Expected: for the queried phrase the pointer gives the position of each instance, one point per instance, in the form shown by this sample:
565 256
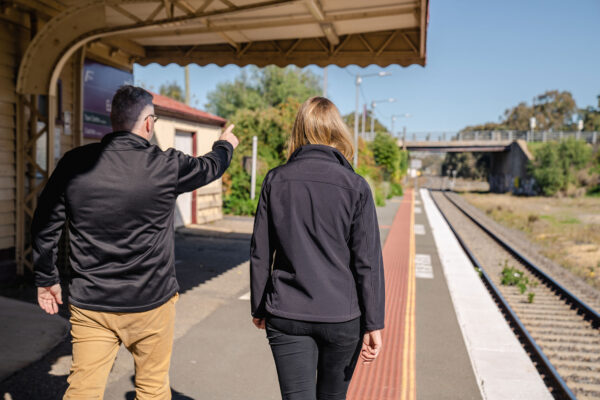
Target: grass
566 229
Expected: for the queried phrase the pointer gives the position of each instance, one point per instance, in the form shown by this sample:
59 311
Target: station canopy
241 32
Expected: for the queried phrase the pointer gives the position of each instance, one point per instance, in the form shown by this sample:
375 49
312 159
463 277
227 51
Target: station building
192 131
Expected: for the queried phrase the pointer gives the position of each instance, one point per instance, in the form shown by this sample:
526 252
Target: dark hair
127 105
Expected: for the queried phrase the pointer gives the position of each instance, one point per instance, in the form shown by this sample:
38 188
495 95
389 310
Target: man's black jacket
316 252
118 197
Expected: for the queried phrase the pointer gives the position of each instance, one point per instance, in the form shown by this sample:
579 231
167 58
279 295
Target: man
118 197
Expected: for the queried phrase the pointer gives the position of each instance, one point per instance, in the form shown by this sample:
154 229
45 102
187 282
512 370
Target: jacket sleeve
195 172
46 227
261 255
367 262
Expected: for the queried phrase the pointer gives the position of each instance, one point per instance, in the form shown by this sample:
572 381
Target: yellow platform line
408 355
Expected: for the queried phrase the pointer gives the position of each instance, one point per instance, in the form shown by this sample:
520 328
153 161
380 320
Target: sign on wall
100 82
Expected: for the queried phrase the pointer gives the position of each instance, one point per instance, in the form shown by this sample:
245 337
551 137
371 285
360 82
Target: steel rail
592 315
554 376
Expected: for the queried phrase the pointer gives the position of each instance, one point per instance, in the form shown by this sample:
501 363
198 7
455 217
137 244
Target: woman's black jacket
315 252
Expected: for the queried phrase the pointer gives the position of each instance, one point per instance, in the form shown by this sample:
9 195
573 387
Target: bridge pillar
508 170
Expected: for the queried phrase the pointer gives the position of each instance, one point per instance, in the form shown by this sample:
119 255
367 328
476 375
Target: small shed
193 132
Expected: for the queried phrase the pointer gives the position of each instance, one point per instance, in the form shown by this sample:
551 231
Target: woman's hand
259 322
371 346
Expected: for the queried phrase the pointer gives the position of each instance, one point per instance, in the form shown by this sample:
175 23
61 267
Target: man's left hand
49 298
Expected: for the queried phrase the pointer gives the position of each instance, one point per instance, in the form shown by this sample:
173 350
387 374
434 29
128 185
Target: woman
316 264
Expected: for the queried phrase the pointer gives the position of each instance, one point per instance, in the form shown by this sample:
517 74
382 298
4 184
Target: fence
529 136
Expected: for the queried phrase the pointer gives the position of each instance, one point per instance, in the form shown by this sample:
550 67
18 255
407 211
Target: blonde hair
319 122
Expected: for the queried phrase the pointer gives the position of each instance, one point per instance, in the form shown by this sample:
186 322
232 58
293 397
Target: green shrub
396 189
379 197
511 276
239 206
574 154
556 164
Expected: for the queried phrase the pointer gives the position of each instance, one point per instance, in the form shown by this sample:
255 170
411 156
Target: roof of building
168 107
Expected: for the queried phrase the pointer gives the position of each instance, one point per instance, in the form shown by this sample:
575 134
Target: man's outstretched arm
195 172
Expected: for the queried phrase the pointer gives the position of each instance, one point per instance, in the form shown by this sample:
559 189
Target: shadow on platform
199 258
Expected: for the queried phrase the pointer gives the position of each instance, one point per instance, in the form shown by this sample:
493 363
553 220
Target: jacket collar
125 139
321 152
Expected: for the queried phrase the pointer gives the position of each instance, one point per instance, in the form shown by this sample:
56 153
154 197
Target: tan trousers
97 336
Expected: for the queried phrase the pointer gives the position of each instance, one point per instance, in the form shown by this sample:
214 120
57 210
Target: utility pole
373 104
373 119
358 82
532 123
364 117
253 177
187 85
394 116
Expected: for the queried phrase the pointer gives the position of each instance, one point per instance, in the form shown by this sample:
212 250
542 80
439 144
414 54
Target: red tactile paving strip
392 375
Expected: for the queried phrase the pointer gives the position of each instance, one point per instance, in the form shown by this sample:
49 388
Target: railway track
560 331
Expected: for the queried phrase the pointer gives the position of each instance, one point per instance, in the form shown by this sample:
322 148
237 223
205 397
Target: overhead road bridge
45 43
508 160
472 146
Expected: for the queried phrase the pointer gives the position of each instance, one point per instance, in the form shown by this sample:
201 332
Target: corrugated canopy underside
299 32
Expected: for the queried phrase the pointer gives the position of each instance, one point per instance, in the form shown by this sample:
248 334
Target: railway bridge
508 159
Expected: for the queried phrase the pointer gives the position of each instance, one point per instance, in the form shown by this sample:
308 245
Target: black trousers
314 360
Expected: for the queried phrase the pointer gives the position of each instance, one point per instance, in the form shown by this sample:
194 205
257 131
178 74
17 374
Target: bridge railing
529 136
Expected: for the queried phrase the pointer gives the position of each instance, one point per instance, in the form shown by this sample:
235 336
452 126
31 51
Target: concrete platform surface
503 369
217 352
27 333
443 366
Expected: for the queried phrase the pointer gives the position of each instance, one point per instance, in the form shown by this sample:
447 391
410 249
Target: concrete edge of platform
222 234
27 334
494 350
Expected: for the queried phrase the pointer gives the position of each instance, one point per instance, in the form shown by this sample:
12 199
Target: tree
591 118
546 169
556 164
377 125
388 155
262 88
553 110
264 103
272 127
172 90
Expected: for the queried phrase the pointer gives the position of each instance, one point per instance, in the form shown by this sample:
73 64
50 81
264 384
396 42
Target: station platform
444 336
424 355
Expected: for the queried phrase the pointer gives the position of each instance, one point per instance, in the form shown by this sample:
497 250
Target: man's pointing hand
229 136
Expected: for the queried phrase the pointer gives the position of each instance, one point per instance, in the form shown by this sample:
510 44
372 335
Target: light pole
394 116
532 123
373 104
358 81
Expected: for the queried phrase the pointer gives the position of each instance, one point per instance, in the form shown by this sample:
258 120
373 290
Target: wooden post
20 189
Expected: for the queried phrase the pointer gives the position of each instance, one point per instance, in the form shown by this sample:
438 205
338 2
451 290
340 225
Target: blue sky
482 57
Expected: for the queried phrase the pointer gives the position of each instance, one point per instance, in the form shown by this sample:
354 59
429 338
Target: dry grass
567 229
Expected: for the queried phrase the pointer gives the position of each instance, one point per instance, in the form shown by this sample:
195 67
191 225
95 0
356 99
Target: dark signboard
100 82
